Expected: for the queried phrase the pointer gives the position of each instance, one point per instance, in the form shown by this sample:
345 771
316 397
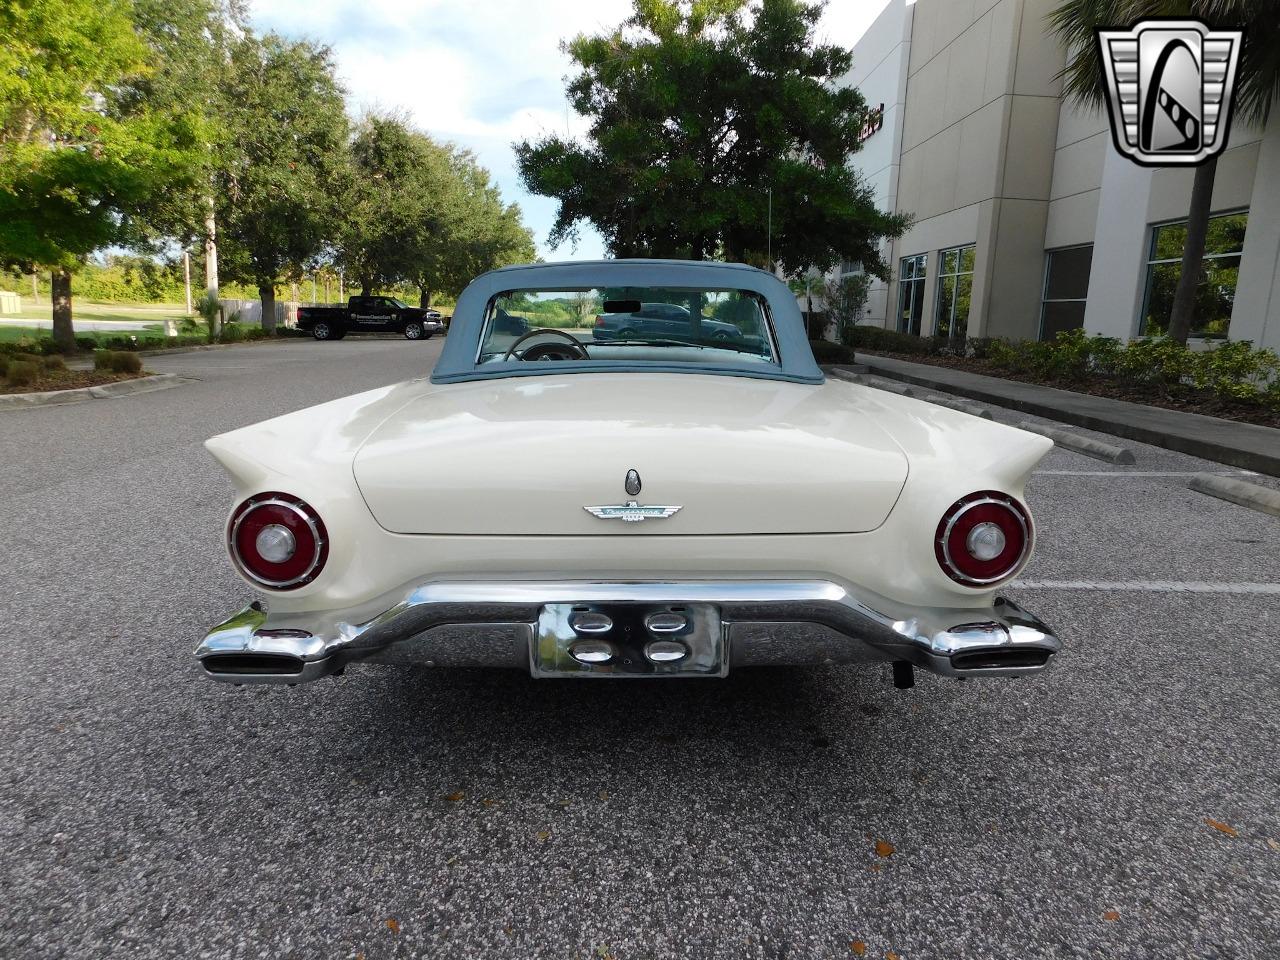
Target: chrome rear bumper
497 624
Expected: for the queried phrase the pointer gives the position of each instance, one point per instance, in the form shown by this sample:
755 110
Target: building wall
880 72
1133 199
978 150
990 154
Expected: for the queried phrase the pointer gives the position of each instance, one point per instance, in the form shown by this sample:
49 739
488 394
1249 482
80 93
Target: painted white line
1140 473
1152 586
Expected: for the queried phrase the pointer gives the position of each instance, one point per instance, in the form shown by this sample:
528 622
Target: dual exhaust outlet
593 649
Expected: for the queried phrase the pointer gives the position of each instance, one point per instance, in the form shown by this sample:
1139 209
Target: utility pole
313 287
769 234
342 282
186 278
35 287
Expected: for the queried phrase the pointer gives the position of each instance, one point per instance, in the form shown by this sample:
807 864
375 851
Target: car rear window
629 325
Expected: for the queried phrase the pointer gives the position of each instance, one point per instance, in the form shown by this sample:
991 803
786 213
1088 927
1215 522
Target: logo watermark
1169 87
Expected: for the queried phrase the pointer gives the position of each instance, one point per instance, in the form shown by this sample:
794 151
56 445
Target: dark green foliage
824 351
1258 74
890 341
46 346
22 373
844 298
1229 372
117 361
696 112
275 198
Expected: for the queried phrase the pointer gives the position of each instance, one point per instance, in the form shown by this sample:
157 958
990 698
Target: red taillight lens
278 541
983 538
599 321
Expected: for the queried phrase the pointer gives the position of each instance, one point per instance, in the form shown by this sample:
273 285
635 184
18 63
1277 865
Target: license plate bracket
637 637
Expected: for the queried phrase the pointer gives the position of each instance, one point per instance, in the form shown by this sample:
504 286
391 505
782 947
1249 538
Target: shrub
55 361
1156 361
22 373
4 367
824 351
127 363
890 341
980 347
117 361
1235 371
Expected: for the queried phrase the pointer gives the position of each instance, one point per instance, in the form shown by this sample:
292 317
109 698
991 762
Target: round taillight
983 538
278 541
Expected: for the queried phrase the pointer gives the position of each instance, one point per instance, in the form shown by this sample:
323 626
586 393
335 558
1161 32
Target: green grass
10 333
83 310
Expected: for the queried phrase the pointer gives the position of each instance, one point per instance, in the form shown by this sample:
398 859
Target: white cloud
481 74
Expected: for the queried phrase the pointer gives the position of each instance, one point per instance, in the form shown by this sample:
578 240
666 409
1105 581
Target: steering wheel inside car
575 349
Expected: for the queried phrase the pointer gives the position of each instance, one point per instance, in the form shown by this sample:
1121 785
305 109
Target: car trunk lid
526 457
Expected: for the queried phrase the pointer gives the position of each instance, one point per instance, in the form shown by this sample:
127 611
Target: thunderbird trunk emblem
631 511
1169 86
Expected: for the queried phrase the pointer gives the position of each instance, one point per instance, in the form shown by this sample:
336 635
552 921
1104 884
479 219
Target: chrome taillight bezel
957 513
294 507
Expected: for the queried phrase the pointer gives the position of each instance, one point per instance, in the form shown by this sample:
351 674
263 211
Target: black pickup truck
370 315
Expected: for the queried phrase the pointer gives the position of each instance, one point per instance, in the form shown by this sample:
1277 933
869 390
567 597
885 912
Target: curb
106 391
1074 441
879 383
1251 495
74 362
970 408
1256 459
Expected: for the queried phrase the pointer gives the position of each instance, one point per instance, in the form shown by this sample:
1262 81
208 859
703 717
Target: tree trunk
424 297
63 333
1184 298
267 294
210 248
366 288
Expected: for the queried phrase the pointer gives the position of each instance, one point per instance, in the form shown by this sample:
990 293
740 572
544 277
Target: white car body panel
310 454
522 458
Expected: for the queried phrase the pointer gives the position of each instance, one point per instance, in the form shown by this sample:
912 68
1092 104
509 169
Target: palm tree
1257 86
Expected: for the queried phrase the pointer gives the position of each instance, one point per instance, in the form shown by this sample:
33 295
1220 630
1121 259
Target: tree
81 159
697 111
844 297
190 42
394 183
467 230
1257 83
275 197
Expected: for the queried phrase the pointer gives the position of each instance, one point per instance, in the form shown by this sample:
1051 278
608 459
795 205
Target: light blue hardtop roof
458 360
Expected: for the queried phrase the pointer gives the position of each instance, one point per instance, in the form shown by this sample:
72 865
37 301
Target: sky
480 73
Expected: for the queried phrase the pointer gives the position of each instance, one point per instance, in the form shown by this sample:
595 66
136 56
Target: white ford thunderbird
676 502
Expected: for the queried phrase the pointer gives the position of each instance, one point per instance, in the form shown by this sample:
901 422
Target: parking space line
1152 586
1141 473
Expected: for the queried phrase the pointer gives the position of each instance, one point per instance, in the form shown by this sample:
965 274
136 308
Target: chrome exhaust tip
253 664
1001 658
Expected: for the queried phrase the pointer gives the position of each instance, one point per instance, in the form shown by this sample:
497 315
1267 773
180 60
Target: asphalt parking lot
1124 805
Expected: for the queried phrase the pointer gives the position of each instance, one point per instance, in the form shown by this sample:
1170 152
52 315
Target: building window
955 289
1216 293
911 293
1066 287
